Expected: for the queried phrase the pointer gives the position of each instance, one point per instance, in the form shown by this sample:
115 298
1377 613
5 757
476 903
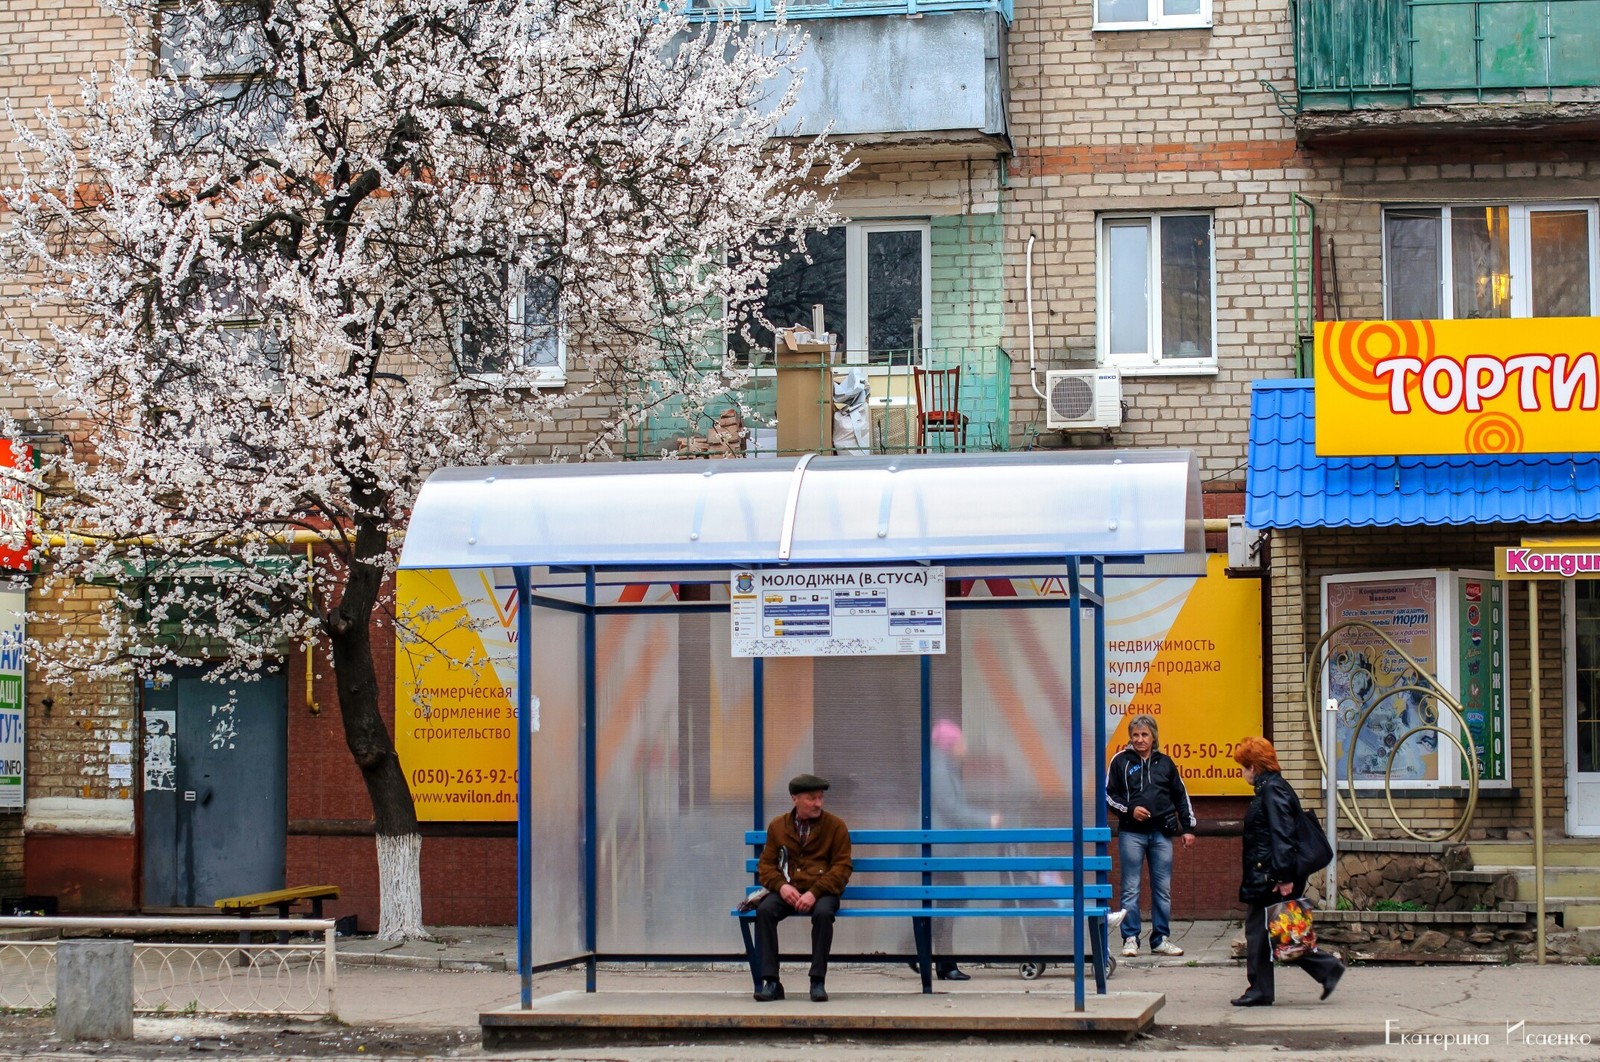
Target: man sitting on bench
804 867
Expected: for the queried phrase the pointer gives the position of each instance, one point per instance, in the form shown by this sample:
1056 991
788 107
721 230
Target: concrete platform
619 1017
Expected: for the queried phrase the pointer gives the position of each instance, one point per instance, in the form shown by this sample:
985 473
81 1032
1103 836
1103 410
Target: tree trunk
349 628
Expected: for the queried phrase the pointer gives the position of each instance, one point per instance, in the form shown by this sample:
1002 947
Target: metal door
215 802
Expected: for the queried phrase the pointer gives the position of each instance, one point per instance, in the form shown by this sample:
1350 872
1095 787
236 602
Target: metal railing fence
185 976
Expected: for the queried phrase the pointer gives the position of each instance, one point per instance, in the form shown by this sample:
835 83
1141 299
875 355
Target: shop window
1151 14
1490 260
1586 721
1156 299
872 281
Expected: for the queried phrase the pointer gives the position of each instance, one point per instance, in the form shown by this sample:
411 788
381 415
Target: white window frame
1150 362
1157 20
547 376
855 269
1521 256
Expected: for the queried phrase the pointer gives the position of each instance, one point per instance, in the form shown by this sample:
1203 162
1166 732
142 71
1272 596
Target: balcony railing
673 429
1358 54
766 10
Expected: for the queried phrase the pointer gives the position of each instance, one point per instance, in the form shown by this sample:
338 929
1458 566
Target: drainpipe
1296 199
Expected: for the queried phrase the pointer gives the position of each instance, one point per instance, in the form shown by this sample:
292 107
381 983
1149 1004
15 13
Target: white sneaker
1130 948
1114 919
1166 947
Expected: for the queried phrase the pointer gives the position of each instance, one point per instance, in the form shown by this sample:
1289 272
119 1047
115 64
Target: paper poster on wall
455 693
1363 671
13 714
160 751
1187 652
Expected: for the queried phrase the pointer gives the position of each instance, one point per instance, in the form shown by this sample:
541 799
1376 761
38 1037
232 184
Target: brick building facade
1120 148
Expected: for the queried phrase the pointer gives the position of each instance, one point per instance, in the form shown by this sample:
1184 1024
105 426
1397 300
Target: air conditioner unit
1083 399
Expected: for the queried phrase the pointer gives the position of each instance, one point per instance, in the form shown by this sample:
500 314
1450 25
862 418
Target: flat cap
806 783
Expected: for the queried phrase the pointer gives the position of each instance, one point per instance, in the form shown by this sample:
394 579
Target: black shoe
1250 1000
916 967
953 973
1332 982
770 990
819 994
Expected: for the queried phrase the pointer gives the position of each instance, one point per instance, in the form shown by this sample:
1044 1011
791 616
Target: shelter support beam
1538 769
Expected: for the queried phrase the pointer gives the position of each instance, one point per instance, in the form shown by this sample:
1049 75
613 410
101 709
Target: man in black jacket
1145 789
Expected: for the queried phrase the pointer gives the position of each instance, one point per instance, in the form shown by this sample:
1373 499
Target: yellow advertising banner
1187 652
1505 386
455 693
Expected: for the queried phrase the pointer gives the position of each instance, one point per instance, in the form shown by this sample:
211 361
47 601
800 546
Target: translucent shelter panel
672 783
1015 712
555 888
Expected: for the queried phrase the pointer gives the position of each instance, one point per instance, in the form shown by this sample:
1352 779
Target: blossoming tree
299 253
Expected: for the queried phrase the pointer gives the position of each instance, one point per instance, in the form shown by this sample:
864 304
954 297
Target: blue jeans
1134 849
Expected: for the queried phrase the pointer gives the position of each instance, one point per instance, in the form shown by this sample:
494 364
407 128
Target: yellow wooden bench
282 900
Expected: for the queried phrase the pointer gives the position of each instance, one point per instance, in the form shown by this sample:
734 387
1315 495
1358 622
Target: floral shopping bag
1289 929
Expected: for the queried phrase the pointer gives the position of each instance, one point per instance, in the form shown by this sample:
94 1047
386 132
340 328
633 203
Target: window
241 105
1156 292
532 341
1151 14
1490 260
228 304
872 281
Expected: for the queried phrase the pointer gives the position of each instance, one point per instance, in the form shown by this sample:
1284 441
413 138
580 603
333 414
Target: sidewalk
422 985
424 999
487 949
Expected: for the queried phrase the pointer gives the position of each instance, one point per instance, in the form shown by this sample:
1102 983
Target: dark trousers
944 929
1319 965
772 910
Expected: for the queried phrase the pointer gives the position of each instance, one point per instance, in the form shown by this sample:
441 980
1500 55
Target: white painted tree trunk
400 887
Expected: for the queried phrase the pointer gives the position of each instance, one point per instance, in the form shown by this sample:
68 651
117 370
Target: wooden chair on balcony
938 394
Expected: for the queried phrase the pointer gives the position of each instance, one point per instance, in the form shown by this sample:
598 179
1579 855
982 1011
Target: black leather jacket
1269 840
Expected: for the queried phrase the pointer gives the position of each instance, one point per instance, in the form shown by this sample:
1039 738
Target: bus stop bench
280 899
1034 868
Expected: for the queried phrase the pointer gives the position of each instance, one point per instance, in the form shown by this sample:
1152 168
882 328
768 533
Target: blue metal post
1100 691
524 783
925 743
590 828
1074 593
758 739
1101 848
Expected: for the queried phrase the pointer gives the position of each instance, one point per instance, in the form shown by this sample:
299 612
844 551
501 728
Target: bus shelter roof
809 510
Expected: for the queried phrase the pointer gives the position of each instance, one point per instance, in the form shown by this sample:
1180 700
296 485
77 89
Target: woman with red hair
1269 872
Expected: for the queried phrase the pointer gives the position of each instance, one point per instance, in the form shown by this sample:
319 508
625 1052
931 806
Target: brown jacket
821 866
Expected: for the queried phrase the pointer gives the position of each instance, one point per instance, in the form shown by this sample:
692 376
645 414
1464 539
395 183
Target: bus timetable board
839 612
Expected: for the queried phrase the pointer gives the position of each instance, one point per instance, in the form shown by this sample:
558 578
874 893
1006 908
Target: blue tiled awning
1288 485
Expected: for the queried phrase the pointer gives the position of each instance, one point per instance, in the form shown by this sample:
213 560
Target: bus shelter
661 710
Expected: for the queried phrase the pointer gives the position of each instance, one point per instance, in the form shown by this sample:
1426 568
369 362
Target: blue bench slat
967 864
853 893
952 912
1017 836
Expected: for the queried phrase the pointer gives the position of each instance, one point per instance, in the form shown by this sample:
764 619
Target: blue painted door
214 788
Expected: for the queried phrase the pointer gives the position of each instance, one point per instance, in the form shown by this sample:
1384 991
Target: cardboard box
804 421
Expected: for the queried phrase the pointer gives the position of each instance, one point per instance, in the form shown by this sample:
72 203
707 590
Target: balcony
674 429
1391 70
891 74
